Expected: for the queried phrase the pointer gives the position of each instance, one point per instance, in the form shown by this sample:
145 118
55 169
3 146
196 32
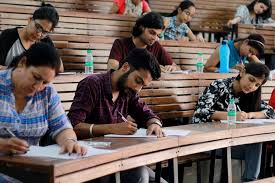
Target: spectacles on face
39 29
188 13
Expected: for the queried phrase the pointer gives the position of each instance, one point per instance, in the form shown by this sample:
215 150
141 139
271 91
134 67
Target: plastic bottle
89 62
224 57
199 64
231 112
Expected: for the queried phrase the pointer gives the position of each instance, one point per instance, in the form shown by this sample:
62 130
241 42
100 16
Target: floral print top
216 98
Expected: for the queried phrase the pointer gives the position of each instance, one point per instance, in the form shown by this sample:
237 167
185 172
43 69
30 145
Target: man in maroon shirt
145 34
100 98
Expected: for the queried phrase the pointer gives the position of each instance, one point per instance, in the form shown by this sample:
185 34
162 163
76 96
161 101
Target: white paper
247 121
141 133
172 132
52 151
181 72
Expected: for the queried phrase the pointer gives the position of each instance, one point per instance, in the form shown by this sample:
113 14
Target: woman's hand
72 146
239 67
200 38
13 146
241 116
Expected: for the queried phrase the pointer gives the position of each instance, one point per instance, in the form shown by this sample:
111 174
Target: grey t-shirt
243 13
15 50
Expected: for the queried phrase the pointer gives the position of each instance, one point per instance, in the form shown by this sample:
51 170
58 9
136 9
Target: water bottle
89 62
199 64
224 57
231 112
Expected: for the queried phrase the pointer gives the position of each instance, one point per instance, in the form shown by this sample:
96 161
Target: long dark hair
183 6
256 41
39 54
266 14
251 102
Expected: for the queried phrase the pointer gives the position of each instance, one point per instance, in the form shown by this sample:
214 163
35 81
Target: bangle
91 130
157 122
69 138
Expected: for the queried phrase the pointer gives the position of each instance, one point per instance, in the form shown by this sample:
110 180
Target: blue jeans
251 154
141 174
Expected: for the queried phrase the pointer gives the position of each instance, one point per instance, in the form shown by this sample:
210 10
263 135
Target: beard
121 84
146 41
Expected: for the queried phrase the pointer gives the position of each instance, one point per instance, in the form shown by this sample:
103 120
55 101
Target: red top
122 47
272 99
121 6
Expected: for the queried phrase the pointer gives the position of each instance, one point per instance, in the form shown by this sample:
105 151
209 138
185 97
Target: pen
10 132
239 108
122 117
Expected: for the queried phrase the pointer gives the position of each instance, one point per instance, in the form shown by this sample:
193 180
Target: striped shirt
43 112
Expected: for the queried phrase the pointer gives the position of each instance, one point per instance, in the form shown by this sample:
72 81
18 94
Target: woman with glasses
176 23
242 51
257 12
15 41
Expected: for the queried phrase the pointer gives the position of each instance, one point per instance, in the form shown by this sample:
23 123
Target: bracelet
69 138
157 122
91 130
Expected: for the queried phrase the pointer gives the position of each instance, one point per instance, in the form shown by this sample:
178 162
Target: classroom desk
133 153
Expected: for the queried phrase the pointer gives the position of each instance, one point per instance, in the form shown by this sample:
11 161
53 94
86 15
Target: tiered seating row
173 96
72 50
72 22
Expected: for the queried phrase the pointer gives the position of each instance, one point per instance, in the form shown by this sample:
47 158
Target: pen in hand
13 151
239 108
122 117
10 132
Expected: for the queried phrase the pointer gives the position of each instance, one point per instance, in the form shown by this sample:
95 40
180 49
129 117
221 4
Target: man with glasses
13 42
145 34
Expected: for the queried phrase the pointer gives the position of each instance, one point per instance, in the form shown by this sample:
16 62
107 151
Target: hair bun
43 4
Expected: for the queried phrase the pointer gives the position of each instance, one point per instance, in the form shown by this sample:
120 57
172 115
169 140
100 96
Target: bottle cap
200 54
232 101
224 41
89 51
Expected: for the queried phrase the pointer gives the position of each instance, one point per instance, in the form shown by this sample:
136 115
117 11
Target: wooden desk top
133 152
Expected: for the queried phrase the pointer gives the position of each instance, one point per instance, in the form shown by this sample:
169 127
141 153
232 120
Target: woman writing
30 107
245 89
245 50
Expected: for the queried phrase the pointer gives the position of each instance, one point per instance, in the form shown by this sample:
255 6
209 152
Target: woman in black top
15 41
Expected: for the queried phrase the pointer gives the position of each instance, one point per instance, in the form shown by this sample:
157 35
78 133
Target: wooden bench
72 49
96 6
267 32
211 17
266 180
173 96
72 22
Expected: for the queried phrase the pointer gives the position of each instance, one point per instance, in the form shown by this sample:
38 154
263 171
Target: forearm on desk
82 130
219 115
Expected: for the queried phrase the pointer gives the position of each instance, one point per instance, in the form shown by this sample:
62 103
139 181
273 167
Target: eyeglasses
39 29
188 13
